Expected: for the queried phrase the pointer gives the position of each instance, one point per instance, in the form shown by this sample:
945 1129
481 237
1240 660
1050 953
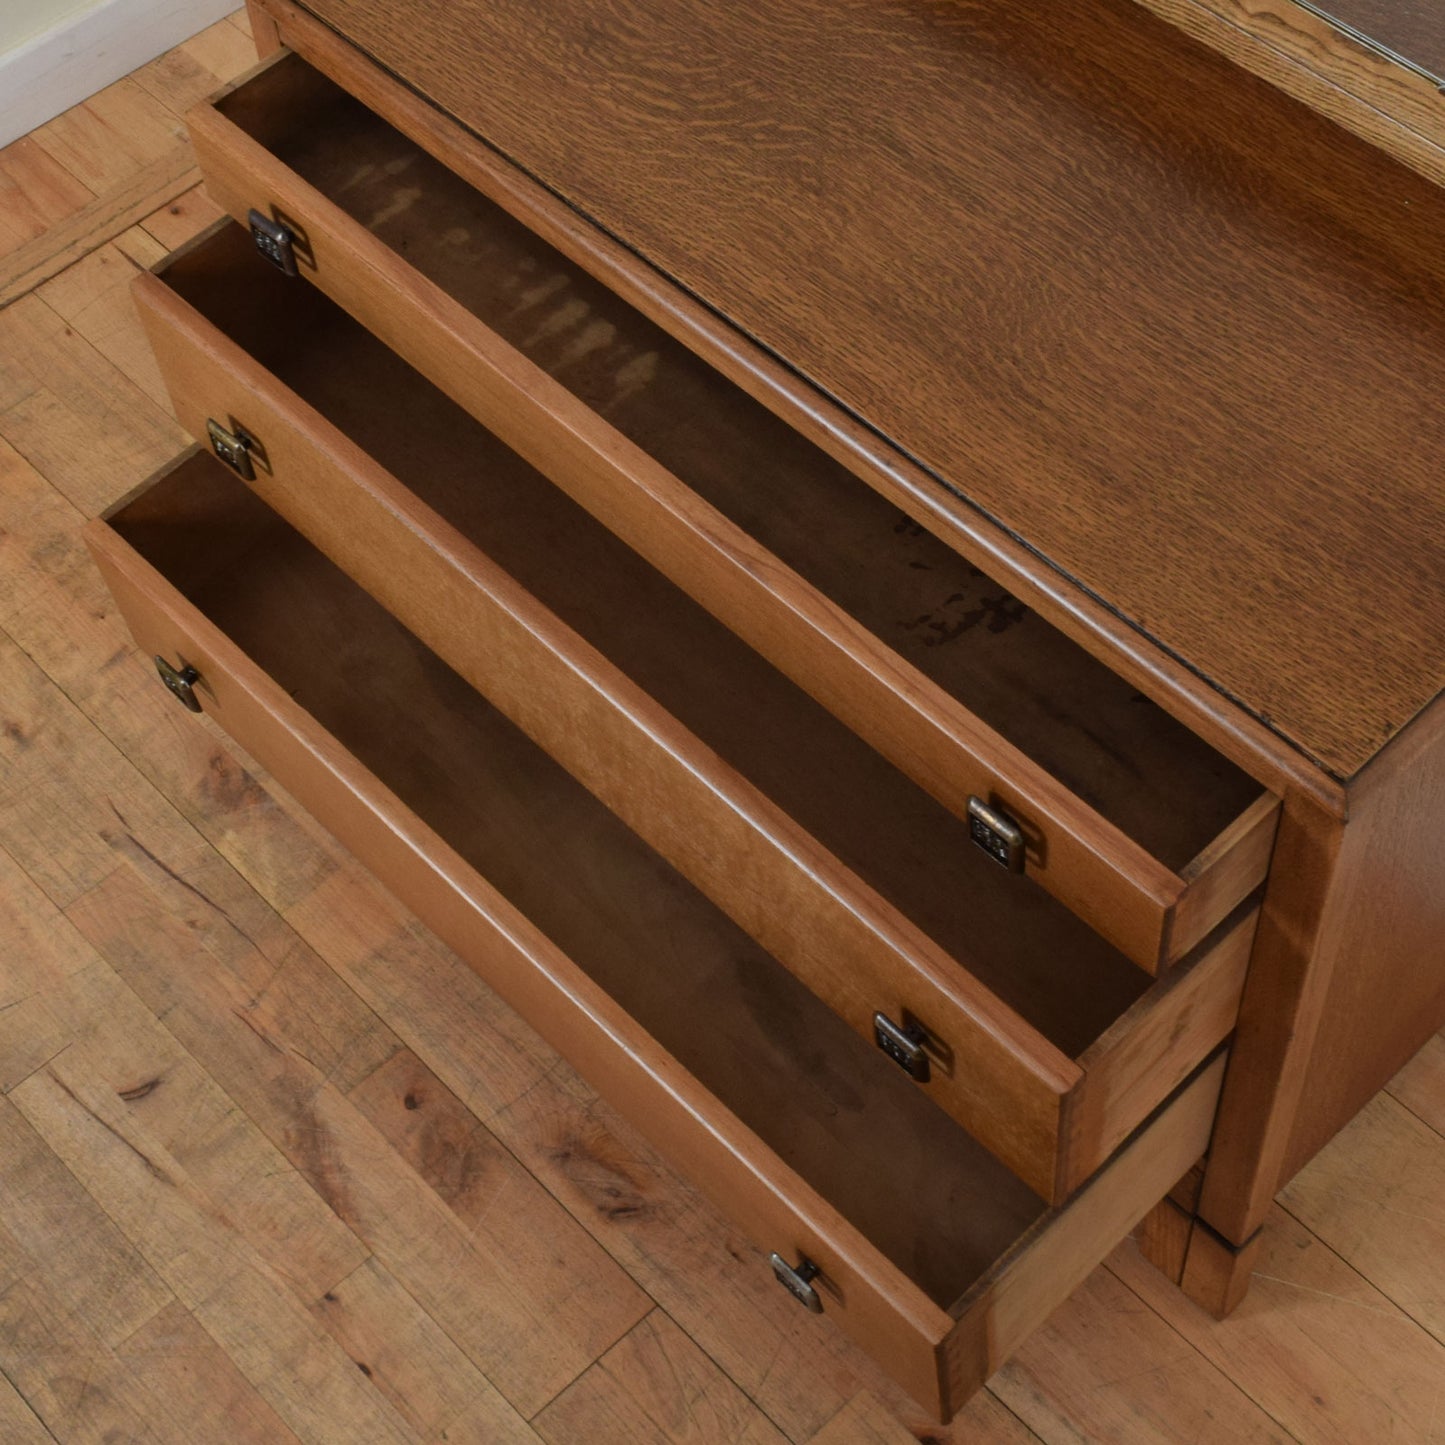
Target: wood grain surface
1361 87
1106 313
1024 950
1244 739
927 658
871 1297
1387 940
212 872
1414 30
828 917
946 1217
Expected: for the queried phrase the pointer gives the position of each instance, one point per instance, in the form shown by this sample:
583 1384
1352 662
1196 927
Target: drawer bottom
926 1248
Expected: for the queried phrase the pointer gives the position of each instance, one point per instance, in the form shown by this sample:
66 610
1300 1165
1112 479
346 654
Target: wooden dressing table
697 489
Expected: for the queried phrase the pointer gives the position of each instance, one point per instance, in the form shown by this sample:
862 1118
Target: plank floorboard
278 1167
242 1302
19 1424
92 297
105 140
194 1389
524 1293
98 1276
73 415
74 1384
96 222
1108 1367
1376 1197
655 1387
867 1420
433 1385
1420 1085
1314 1344
178 220
198 67
36 192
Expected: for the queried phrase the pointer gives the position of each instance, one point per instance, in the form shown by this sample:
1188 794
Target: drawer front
1000 1079
1052 1118
864 1293
1152 913
939 1355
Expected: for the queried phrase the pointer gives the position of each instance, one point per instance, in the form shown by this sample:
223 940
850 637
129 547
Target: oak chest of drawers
900 706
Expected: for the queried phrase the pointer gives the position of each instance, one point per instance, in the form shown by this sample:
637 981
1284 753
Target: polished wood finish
1144 1055
1165 1233
1412 30
1347 981
1384 935
1227 870
1288 44
909 1215
1009 986
804 904
1163 1236
243 917
1063 414
920 653
516 958
1331 184
1005 1308
1279 1017
1167 680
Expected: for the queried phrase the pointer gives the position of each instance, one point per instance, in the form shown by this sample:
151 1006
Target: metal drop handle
232 447
798 1280
904 1044
997 834
274 240
181 681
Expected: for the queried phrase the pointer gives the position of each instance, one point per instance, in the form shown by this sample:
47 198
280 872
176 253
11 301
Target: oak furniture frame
1343 735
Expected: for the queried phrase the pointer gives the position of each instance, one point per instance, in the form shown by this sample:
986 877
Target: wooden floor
275 1166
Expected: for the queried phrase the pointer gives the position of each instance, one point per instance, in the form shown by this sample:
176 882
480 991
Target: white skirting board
86 51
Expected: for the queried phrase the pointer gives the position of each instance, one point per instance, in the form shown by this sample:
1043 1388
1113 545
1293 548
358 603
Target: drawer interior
1108 744
1026 947
934 1202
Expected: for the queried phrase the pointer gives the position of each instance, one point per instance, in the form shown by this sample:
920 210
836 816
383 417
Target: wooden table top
1413 30
1180 334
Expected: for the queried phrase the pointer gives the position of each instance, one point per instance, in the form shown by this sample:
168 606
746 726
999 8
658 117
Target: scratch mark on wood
154 1169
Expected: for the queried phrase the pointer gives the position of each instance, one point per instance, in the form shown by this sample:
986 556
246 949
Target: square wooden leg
1216 1274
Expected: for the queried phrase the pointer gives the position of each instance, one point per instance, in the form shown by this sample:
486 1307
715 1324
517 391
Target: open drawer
1120 811
926 1249
1035 1033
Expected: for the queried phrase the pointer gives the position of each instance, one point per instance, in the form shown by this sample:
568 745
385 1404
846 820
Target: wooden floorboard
276 1166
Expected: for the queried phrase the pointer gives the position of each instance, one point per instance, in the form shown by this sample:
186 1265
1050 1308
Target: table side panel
1385 936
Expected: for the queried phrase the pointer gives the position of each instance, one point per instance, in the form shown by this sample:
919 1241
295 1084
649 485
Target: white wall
21 20
55 53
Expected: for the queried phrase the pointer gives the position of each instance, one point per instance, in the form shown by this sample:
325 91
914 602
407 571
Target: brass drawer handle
181 681
233 448
798 1280
997 834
